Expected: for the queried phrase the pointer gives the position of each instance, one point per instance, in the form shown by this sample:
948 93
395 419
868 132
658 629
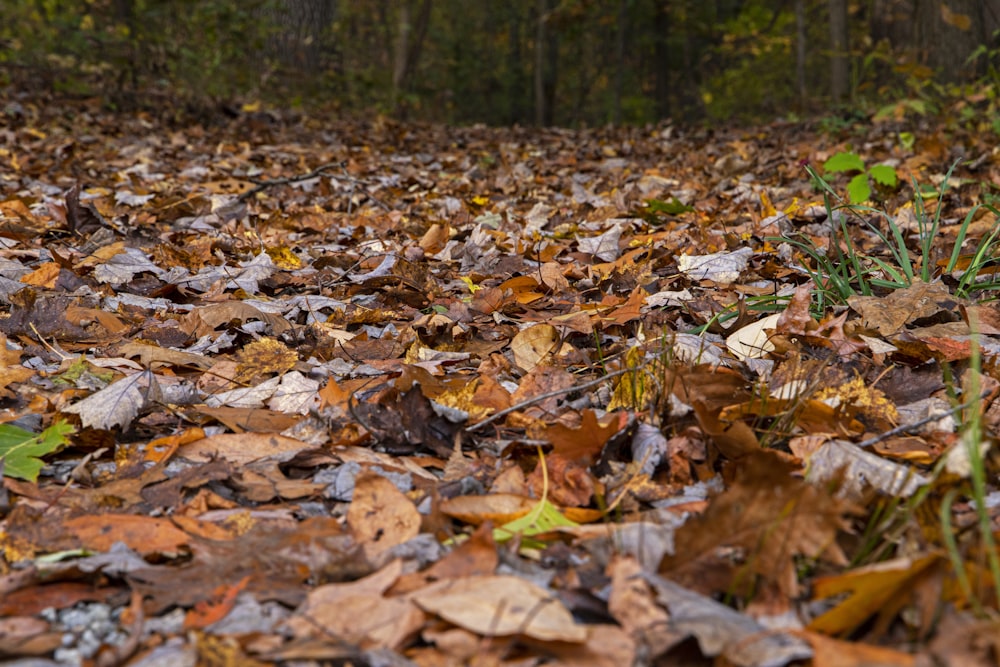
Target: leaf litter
365 391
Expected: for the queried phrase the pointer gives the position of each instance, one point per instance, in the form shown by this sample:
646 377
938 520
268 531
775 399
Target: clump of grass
844 271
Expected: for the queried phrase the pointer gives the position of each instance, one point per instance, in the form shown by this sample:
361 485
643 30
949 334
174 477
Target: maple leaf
21 450
586 442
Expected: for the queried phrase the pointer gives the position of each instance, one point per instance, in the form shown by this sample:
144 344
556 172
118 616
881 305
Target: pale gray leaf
720 267
649 446
861 471
295 394
121 268
119 402
246 278
723 631
605 246
244 397
381 271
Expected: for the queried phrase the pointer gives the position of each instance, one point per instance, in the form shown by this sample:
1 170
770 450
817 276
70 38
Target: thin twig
350 197
318 171
551 394
265 184
905 428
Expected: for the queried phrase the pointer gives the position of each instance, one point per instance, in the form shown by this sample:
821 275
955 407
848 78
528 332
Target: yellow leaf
954 19
284 258
473 287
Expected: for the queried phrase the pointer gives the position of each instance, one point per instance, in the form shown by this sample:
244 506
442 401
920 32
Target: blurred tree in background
563 62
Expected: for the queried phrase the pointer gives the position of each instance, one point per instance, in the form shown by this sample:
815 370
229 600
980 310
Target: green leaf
858 189
884 175
22 450
542 518
886 112
672 207
844 162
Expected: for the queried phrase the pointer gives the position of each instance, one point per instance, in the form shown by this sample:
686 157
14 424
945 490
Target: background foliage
565 62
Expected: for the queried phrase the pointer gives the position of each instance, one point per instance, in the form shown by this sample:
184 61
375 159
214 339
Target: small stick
905 428
551 394
263 185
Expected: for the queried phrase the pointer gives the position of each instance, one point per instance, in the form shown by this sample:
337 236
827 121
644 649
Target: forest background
528 62
291 352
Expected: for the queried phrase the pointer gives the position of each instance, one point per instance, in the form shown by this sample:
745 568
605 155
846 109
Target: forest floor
290 389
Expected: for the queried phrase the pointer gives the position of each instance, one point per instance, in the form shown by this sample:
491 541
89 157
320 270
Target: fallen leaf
380 516
501 605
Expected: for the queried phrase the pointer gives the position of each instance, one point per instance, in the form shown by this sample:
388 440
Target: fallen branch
265 184
550 394
906 428
262 185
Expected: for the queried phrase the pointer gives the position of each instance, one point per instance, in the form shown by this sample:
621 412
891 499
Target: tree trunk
620 61
551 75
409 43
948 32
128 78
517 85
800 52
661 60
302 28
541 113
839 64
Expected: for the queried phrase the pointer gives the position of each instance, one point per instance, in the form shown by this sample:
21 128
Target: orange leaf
147 535
216 607
630 310
583 444
882 588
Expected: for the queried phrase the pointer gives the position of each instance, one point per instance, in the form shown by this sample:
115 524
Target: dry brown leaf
889 314
380 516
242 448
261 358
499 508
829 652
812 416
476 556
751 534
497 606
358 613
146 535
583 444
570 484
535 345
634 606
881 590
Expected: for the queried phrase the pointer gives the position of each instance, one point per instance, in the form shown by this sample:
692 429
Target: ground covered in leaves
289 389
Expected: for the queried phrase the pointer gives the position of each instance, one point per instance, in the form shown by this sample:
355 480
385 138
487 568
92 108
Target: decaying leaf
860 471
752 534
